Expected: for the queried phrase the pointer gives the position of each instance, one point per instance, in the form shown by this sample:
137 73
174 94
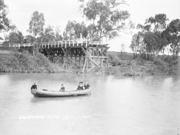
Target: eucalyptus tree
47 35
152 33
29 39
36 24
137 44
75 30
158 23
15 37
105 16
172 34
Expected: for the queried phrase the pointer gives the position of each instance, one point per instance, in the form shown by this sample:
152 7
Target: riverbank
16 62
125 64
120 64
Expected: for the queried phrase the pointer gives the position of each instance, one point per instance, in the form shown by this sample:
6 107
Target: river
117 106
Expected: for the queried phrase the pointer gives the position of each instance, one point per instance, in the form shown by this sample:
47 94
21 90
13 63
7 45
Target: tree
106 17
158 22
92 32
75 30
4 21
58 36
137 43
29 39
36 24
153 42
15 37
173 35
48 35
153 34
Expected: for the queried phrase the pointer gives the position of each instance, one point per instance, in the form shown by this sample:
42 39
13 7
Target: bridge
86 55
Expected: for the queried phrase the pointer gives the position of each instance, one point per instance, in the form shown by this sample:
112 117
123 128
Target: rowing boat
51 93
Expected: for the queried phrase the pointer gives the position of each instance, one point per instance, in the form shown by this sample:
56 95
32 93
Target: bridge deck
60 44
84 54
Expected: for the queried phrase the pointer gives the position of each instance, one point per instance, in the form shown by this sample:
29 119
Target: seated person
80 86
34 86
86 85
62 88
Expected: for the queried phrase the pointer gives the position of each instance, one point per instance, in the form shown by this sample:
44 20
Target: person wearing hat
86 85
80 86
34 86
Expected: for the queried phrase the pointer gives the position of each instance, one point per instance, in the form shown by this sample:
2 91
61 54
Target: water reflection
117 106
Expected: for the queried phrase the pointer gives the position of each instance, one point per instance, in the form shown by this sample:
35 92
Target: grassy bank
120 64
26 63
125 64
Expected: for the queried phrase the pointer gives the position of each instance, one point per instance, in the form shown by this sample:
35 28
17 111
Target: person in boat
80 86
86 85
34 86
62 88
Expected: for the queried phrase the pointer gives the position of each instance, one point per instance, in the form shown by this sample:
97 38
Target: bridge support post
94 60
86 56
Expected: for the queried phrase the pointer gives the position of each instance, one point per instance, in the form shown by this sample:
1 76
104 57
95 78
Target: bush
113 59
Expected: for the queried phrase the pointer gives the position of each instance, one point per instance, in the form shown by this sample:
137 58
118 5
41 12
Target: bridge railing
63 43
20 45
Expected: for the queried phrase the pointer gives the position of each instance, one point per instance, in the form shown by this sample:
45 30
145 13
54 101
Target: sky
58 12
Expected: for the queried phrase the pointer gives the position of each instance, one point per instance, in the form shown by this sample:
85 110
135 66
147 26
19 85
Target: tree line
155 35
104 19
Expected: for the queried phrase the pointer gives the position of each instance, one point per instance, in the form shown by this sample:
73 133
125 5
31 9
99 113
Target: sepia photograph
89 67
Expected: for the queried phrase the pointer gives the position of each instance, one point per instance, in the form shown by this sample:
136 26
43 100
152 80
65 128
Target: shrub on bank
113 60
156 65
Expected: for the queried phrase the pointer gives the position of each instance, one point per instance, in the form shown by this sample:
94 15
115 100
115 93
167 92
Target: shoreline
121 64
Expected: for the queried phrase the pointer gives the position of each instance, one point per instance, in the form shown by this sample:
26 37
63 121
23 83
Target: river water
117 106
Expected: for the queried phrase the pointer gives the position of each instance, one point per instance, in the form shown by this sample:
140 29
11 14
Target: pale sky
58 12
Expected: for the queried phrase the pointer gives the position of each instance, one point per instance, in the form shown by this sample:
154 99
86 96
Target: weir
85 55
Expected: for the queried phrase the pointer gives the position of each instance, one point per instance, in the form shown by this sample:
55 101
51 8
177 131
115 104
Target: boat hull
47 93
